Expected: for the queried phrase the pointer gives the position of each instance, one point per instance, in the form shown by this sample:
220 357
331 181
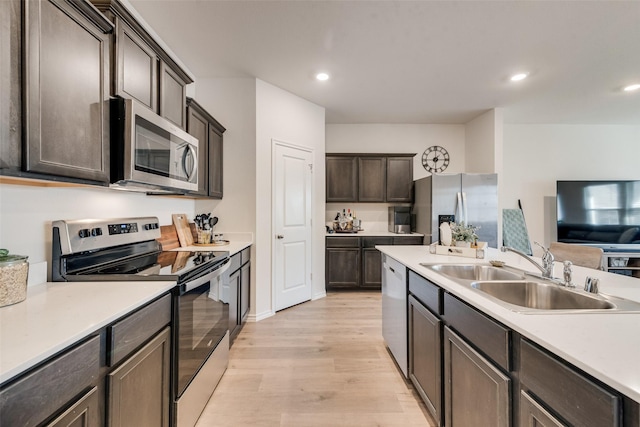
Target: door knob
279 236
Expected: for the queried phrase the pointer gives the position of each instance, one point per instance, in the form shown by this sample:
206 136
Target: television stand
621 261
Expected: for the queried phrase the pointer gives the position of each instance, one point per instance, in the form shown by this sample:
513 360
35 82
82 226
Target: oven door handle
188 286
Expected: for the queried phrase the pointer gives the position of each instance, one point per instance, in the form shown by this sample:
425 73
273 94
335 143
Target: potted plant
464 235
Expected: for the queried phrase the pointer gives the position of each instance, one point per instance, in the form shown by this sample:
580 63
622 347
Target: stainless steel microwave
149 153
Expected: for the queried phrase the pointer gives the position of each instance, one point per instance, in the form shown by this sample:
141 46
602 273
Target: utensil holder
204 236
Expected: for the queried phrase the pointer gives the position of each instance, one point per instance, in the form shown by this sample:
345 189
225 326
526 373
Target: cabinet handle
279 236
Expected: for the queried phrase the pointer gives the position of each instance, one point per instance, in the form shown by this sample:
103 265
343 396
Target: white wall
482 136
232 102
26 212
536 156
288 118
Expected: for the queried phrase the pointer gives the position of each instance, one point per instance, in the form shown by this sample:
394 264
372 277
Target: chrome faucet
547 259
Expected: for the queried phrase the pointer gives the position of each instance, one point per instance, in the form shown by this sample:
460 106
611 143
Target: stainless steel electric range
126 249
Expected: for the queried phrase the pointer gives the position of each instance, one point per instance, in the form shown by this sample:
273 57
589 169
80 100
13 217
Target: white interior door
292 225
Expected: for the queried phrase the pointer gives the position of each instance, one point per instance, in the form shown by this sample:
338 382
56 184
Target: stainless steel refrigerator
472 195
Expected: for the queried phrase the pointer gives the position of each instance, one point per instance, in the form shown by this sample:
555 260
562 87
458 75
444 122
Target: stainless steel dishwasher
394 310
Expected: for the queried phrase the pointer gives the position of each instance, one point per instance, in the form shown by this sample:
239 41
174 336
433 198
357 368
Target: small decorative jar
14 271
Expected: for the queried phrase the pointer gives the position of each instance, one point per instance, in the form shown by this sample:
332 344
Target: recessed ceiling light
631 88
322 76
519 76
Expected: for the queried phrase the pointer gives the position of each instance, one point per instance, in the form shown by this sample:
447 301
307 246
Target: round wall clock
435 159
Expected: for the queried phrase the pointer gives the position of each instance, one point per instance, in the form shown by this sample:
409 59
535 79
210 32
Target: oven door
202 322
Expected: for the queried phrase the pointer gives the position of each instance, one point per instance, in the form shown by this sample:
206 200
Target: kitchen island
602 346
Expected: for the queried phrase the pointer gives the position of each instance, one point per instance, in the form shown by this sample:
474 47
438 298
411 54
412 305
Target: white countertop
373 233
57 315
605 345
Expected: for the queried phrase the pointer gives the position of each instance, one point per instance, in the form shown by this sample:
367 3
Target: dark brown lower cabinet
532 414
476 392
343 267
425 356
239 291
371 268
139 388
83 413
570 395
354 262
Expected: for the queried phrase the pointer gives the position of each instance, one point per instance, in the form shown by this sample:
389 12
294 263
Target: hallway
321 363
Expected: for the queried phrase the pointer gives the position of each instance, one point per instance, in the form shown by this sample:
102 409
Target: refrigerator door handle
459 210
464 207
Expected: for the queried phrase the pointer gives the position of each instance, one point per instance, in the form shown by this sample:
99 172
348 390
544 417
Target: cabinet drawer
574 397
130 333
410 240
429 294
343 242
235 262
371 242
41 392
246 255
486 334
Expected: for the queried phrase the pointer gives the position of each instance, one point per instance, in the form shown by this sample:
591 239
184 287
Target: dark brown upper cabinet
376 178
143 70
209 133
342 178
66 90
399 179
372 179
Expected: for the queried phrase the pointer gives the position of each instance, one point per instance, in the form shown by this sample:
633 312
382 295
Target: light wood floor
322 363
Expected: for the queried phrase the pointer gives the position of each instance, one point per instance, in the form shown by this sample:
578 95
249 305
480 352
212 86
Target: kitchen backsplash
374 216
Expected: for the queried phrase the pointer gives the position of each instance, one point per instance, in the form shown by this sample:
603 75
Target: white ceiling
420 61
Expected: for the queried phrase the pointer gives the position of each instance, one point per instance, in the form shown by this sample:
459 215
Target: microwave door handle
190 152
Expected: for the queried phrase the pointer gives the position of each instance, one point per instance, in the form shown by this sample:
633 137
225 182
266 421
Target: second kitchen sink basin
474 272
541 296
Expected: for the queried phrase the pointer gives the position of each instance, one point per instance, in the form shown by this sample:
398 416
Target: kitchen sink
541 296
528 293
474 272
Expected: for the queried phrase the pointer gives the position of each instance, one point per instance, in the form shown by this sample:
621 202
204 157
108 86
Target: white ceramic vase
445 234
461 244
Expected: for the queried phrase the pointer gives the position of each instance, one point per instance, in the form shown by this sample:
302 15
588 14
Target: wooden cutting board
182 228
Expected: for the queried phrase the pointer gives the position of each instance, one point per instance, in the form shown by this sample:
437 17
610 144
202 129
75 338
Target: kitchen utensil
182 228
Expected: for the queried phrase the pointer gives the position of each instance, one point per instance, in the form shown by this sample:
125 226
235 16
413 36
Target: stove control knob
96 232
84 233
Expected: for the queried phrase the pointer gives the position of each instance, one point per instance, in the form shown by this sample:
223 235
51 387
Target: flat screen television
599 213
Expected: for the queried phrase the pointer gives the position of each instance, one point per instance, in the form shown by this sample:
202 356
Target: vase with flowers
464 235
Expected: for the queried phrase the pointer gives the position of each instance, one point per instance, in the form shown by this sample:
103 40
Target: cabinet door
372 178
198 126
11 85
137 67
83 413
425 356
234 294
532 414
67 87
215 163
400 179
139 388
371 268
342 179
476 392
245 286
342 268
173 96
